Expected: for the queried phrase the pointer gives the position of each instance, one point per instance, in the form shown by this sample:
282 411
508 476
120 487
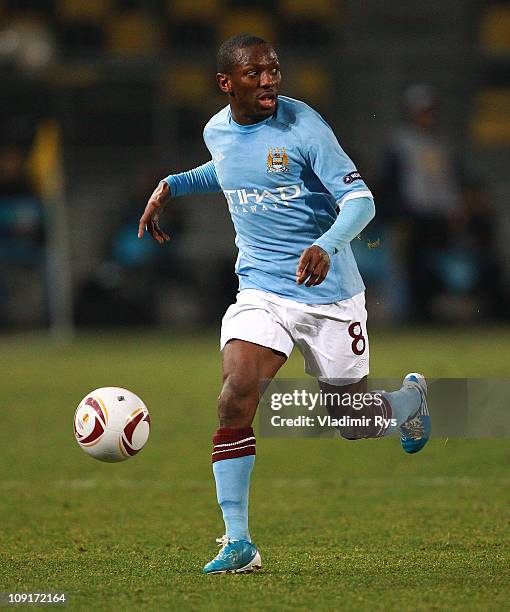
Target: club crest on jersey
277 160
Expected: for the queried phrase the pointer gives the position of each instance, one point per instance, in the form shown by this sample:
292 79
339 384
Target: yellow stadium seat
495 29
83 10
311 82
252 21
490 126
131 33
188 83
194 9
316 10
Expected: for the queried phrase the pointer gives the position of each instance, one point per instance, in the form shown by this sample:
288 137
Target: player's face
253 84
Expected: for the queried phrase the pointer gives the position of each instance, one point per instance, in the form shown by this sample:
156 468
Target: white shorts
331 337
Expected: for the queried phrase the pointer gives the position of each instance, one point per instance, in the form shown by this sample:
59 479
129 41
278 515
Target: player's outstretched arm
149 221
202 179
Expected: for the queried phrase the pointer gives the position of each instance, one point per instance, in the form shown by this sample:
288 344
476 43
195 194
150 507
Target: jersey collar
248 128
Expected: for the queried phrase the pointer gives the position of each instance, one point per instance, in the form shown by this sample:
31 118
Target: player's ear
224 82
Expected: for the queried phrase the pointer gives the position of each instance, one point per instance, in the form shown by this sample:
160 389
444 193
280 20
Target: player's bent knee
239 388
237 402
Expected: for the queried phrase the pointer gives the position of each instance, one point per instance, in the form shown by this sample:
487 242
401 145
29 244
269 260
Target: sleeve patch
351 177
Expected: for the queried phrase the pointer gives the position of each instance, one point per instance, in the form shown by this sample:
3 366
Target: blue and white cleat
235 557
415 432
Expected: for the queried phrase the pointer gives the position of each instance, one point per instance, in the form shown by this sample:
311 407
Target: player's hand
313 266
149 221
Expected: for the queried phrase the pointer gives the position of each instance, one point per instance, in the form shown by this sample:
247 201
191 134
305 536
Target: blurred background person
22 256
136 282
442 221
421 193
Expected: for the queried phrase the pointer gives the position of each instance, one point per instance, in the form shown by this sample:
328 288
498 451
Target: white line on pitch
302 483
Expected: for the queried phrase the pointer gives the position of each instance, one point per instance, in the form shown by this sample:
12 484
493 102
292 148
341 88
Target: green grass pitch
341 525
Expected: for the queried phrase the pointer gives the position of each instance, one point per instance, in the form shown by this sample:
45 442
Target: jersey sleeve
331 164
355 215
202 179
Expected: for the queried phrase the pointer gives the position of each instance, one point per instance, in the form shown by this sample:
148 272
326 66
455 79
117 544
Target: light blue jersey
284 180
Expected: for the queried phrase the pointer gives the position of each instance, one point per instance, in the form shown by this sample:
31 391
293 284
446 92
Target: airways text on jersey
253 200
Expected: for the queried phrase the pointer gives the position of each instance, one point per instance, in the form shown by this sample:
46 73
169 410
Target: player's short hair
227 53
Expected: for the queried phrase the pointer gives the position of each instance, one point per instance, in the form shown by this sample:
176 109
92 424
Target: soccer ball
111 424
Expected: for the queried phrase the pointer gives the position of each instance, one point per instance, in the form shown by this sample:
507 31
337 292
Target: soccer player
296 201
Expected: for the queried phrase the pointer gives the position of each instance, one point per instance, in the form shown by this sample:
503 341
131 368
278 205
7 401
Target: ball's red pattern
97 432
100 421
93 403
129 429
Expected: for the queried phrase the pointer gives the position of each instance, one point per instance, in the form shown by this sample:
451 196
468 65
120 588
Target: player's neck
242 119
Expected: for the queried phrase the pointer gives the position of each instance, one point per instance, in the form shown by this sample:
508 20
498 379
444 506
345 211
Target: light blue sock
404 404
232 489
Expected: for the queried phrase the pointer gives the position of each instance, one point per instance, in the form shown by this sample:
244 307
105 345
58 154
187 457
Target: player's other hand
149 221
313 266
